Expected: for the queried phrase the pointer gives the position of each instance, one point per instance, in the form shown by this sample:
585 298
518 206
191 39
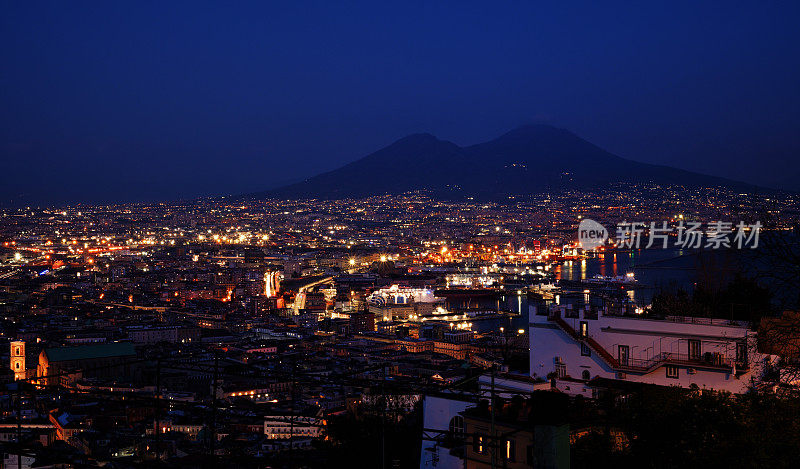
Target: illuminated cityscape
428 235
166 331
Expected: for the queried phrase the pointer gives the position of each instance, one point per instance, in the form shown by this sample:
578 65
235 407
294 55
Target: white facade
675 351
438 414
401 296
508 385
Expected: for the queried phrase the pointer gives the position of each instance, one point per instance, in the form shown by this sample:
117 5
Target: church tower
18 359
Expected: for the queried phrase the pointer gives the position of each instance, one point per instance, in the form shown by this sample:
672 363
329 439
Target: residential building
585 343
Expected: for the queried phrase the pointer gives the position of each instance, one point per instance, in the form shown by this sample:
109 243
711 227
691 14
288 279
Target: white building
398 295
675 351
398 302
440 416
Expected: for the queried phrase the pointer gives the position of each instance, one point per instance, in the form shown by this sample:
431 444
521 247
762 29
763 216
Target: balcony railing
706 360
705 321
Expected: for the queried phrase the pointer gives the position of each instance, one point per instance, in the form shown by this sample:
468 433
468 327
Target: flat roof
87 352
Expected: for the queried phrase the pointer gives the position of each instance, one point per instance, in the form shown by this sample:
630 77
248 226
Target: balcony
705 361
709 360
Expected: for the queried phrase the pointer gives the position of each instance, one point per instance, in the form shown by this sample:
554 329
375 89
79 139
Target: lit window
477 443
509 450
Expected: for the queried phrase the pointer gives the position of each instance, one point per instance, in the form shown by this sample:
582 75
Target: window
477 443
585 350
741 352
16 365
672 371
623 354
586 375
509 451
584 329
694 349
561 370
457 425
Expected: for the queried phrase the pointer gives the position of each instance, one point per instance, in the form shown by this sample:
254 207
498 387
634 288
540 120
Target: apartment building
587 342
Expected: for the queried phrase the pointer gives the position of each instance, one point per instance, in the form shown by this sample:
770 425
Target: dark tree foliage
673 427
776 264
743 299
357 442
740 299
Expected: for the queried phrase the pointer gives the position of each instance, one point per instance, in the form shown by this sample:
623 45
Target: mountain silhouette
527 160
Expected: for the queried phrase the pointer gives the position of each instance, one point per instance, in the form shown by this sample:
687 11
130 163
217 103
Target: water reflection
653 268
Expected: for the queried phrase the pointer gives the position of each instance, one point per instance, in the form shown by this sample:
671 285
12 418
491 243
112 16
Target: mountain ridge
525 160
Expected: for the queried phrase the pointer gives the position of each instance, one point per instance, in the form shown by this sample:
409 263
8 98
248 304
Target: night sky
142 101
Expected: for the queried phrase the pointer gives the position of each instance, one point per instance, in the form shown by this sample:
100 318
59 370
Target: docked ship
620 280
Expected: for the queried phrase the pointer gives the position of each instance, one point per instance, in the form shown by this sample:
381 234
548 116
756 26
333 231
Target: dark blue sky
104 101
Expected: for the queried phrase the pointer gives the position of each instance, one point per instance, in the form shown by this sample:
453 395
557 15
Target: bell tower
18 359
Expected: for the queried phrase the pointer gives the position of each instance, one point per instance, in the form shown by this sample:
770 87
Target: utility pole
493 440
157 409
383 417
19 424
291 413
214 409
